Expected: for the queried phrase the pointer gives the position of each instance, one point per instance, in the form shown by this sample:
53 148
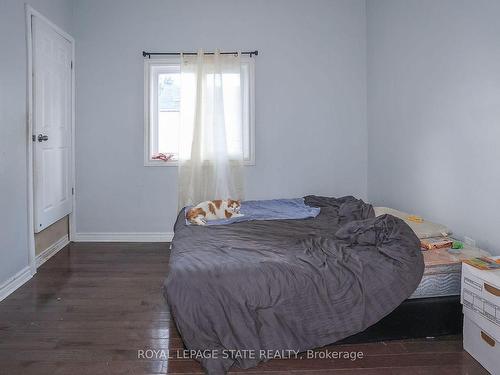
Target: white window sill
160 163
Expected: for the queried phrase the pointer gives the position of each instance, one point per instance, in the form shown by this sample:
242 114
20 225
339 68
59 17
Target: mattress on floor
260 286
442 274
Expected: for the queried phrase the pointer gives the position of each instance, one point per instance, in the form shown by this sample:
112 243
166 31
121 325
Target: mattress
439 281
442 274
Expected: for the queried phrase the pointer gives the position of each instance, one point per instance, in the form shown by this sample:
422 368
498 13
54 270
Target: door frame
30 12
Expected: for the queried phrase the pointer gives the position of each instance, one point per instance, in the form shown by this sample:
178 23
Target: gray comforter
246 289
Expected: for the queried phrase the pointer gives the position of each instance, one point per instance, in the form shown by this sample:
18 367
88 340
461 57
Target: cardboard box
480 344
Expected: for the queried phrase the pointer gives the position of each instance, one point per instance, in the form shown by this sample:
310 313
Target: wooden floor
92 307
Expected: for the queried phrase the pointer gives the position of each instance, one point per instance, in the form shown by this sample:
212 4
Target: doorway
51 106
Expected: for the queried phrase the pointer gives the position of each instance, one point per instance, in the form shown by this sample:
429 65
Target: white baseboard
124 237
51 251
14 282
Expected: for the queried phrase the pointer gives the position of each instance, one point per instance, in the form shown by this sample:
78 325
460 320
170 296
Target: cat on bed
213 210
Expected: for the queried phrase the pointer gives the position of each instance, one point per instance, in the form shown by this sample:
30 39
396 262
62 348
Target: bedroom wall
310 100
434 112
14 253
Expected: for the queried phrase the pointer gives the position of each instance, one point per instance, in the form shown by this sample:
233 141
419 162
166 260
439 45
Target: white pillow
425 229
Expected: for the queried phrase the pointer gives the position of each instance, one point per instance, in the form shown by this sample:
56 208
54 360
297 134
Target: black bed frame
415 318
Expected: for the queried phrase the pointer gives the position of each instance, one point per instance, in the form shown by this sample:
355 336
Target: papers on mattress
272 209
424 229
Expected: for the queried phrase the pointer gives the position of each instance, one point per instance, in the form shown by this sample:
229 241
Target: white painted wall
434 112
14 253
310 101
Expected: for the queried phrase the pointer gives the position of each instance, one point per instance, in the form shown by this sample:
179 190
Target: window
162 87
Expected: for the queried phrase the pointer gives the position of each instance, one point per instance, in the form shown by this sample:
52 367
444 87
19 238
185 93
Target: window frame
148 126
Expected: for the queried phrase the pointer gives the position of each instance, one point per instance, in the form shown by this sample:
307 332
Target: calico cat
213 210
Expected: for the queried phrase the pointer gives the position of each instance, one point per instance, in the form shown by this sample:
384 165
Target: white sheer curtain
210 147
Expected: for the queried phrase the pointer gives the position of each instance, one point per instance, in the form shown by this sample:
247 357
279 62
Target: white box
482 346
480 297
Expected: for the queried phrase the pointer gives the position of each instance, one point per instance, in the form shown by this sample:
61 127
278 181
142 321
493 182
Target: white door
52 119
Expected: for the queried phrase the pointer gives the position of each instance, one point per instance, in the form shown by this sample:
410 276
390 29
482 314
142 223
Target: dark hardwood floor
92 307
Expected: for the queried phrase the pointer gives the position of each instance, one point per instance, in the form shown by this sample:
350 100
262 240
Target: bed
247 289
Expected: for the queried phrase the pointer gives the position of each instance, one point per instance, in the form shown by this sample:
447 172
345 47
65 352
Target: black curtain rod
149 54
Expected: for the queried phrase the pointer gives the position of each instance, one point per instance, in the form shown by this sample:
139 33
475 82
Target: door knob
42 137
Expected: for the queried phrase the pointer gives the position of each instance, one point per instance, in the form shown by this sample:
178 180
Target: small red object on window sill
162 156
